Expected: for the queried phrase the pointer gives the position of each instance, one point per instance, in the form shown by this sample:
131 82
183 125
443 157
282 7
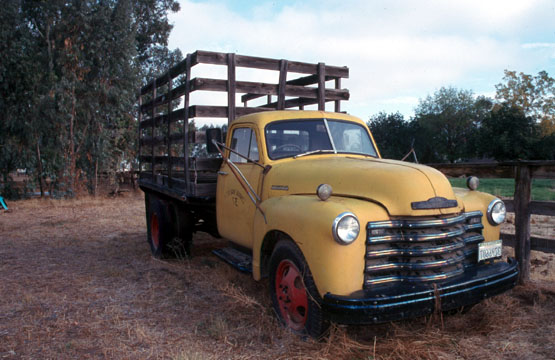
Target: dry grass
77 281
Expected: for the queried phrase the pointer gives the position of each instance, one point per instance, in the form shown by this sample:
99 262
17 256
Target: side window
244 142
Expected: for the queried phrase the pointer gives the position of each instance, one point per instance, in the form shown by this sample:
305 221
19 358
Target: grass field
78 282
542 189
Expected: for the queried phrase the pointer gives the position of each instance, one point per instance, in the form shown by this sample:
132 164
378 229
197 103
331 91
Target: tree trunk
95 176
72 155
39 168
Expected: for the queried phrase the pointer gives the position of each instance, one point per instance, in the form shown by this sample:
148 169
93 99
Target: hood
396 185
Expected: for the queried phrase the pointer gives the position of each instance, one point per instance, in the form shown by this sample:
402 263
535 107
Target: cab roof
261 119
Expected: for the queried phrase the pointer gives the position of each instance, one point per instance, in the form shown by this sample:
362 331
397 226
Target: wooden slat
268 89
302 81
176 115
536 243
161 140
207 57
163 79
536 207
197 164
221 111
506 169
164 99
291 103
486 170
160 159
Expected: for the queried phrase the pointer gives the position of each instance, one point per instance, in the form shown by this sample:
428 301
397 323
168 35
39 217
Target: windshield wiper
319 151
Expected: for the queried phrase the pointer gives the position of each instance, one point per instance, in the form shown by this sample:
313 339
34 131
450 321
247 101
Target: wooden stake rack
169 162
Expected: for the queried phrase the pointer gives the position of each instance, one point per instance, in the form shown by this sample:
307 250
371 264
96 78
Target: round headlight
472 182
324 191
496 212
345 228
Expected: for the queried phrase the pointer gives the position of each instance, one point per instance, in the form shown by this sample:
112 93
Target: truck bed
168 146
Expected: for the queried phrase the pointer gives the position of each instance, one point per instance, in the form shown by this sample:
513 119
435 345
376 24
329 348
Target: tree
535 95
394 136
69 83
447 124
508 134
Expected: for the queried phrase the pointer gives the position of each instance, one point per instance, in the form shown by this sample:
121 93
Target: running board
235 258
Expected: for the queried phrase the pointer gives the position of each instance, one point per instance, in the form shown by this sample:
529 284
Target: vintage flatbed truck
307 202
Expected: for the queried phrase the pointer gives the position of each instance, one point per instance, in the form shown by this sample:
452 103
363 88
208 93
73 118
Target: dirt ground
77 281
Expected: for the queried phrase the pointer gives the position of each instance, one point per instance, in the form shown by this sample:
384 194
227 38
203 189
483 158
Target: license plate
490 250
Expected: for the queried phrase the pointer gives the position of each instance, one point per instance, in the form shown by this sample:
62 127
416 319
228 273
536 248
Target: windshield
289 138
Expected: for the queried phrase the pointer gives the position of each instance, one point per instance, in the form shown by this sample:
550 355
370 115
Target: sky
397 51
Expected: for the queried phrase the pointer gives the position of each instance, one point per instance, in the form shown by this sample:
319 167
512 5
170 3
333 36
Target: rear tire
159 227
294 295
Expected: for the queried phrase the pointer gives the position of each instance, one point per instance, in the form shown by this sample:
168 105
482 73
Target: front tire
294 295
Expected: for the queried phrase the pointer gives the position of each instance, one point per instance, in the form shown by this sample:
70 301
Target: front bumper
403 301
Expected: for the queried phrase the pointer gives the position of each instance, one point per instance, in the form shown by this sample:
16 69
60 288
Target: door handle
222 173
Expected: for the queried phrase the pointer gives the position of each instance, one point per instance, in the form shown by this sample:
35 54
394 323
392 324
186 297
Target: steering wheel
284 146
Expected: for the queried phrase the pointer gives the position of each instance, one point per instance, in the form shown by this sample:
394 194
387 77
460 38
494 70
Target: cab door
235 210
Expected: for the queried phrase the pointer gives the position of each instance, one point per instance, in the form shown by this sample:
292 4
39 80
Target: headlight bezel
491 217
335 228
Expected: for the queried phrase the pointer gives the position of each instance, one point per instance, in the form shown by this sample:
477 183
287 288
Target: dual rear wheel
167 235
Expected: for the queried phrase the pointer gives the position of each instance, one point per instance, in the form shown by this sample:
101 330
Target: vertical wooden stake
230 88
321 87
283 67
153 115
523 186
186 124
337 102
140 120
168 129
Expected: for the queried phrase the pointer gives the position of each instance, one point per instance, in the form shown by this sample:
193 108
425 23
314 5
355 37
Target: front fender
476 200
336 268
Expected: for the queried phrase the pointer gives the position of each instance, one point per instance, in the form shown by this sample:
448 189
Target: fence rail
522 172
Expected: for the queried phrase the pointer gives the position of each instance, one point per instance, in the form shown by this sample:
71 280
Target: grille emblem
434 203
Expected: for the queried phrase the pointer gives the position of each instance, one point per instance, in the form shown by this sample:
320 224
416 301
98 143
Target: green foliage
508 134
447 124
70 72
535 95
393 135
453 125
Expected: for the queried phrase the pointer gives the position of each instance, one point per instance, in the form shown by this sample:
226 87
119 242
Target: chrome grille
421 249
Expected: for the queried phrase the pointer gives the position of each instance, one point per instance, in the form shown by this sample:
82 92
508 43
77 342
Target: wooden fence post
523 182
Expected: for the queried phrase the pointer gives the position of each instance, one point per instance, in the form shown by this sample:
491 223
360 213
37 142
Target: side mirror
213 134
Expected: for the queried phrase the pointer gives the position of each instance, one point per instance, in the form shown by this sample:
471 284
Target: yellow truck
307 202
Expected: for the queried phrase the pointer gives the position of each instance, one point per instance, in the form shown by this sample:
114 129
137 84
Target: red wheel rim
291 295
154 230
